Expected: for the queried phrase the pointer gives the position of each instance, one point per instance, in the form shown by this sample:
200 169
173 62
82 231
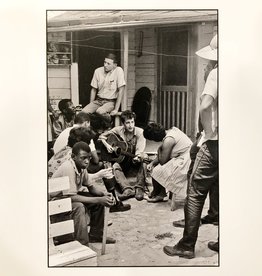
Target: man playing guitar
135 145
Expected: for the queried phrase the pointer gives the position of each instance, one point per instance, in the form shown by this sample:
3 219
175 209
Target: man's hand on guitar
109 148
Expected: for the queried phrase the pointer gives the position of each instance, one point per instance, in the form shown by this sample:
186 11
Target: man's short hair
127 115
78 134
80 146
81 118
112 56
63 104
155 132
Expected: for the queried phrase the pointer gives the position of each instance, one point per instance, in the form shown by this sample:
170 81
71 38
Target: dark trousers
213 192
124 168
82 214
204 177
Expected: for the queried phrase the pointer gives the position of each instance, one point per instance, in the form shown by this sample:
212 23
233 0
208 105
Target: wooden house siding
131 76
59 84
145 66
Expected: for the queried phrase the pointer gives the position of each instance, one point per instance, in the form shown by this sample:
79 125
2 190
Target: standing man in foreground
108 85
205 170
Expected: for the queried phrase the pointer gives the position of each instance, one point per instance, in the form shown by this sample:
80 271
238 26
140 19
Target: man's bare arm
206 114
118 100
93 94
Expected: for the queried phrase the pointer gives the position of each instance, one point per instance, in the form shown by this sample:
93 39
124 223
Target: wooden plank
59 83
150 85
58 184
59 206
61 228
74 84
146 72
142 66
146 58
126 37
60 93
131 75
73 254
178 107
103 251
58 72
149 79
87 262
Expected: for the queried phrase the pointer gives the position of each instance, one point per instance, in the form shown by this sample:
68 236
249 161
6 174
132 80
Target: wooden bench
71 253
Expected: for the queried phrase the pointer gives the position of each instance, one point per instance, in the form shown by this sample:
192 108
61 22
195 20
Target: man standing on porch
108 85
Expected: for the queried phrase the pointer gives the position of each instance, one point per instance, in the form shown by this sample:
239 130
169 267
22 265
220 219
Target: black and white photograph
130 138
133 137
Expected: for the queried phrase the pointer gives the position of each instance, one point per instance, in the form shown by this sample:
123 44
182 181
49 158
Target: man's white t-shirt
62 140
211 89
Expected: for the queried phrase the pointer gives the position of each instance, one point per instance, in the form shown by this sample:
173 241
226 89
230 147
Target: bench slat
61 228
59 206
72 253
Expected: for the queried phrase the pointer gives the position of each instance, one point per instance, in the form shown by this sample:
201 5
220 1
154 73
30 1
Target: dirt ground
142 232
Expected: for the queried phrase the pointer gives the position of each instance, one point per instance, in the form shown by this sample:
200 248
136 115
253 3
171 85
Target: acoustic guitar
119 150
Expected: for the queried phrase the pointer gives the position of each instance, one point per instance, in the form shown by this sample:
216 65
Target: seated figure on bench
169 169
108 85
135 143
83 133
86 197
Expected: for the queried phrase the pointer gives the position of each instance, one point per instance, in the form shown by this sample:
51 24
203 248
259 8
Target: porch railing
173 107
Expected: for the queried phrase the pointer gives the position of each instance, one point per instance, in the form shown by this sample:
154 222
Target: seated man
66 118
133 136
169 169
86 198
84 134
108 86
81 120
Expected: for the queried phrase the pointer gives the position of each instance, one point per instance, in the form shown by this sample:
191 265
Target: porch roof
114 19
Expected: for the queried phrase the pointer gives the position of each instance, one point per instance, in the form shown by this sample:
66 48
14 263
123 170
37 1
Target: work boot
179 223
176 251
157 198
120 207
139 194
209 220
128 193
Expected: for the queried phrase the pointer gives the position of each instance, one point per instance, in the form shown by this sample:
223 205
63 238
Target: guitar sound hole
118 151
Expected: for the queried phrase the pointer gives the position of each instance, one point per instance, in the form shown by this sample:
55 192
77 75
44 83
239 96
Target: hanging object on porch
140 44
142 106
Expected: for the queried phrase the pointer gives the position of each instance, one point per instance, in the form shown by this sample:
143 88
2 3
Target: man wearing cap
205 170
108 86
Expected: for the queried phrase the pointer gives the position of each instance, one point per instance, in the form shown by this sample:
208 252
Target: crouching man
87 200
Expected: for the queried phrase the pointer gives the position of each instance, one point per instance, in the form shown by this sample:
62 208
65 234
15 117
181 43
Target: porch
156 49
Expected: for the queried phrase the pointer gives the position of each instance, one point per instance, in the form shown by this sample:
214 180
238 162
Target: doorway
90 49
173 96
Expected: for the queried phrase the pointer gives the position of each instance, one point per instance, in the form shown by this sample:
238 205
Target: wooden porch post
124 100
